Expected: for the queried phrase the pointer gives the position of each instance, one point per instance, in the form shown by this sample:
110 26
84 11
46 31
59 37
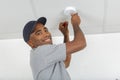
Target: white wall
100 60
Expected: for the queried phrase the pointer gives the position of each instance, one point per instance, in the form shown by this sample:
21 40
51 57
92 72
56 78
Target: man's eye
38 33
46 30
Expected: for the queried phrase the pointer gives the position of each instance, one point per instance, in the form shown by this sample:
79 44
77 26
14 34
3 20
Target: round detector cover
70 10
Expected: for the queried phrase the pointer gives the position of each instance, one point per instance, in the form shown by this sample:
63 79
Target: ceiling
98 16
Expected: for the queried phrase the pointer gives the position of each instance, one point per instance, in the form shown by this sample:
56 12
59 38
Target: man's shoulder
50 46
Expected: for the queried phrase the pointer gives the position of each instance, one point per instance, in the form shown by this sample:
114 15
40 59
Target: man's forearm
68 57
78 34
79 37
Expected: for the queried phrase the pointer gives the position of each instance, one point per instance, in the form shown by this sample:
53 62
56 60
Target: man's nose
46 34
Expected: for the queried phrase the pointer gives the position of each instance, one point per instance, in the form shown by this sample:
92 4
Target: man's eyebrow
37 31
45 28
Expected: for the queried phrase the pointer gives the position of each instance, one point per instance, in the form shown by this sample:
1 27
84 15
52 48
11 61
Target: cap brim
42 20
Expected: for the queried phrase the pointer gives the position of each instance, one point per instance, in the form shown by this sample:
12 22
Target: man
49 61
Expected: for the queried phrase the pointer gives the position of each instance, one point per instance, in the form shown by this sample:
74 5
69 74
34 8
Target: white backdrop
100 60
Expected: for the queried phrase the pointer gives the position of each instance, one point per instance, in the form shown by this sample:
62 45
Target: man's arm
79 42
63 27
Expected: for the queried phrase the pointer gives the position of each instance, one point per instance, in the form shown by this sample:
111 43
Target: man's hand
75 19
63 27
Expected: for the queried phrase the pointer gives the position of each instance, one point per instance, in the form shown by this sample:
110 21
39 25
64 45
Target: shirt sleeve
54 53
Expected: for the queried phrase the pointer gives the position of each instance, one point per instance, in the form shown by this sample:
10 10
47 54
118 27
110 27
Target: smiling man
47 60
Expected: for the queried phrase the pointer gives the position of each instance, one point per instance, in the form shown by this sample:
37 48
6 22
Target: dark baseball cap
29 27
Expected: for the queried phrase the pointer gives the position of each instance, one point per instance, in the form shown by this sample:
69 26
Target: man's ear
30 43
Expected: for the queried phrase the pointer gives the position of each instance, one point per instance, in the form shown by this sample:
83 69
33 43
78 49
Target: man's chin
49 42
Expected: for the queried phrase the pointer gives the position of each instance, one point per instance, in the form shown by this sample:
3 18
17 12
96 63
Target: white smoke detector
70 10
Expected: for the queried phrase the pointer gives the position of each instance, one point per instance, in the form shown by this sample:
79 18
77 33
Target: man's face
40 36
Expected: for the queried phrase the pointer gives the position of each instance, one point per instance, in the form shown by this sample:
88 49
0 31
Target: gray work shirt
47 62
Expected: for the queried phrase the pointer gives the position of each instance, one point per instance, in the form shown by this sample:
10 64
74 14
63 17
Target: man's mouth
48 40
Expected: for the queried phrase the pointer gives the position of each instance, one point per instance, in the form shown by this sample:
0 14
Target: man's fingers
74 14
